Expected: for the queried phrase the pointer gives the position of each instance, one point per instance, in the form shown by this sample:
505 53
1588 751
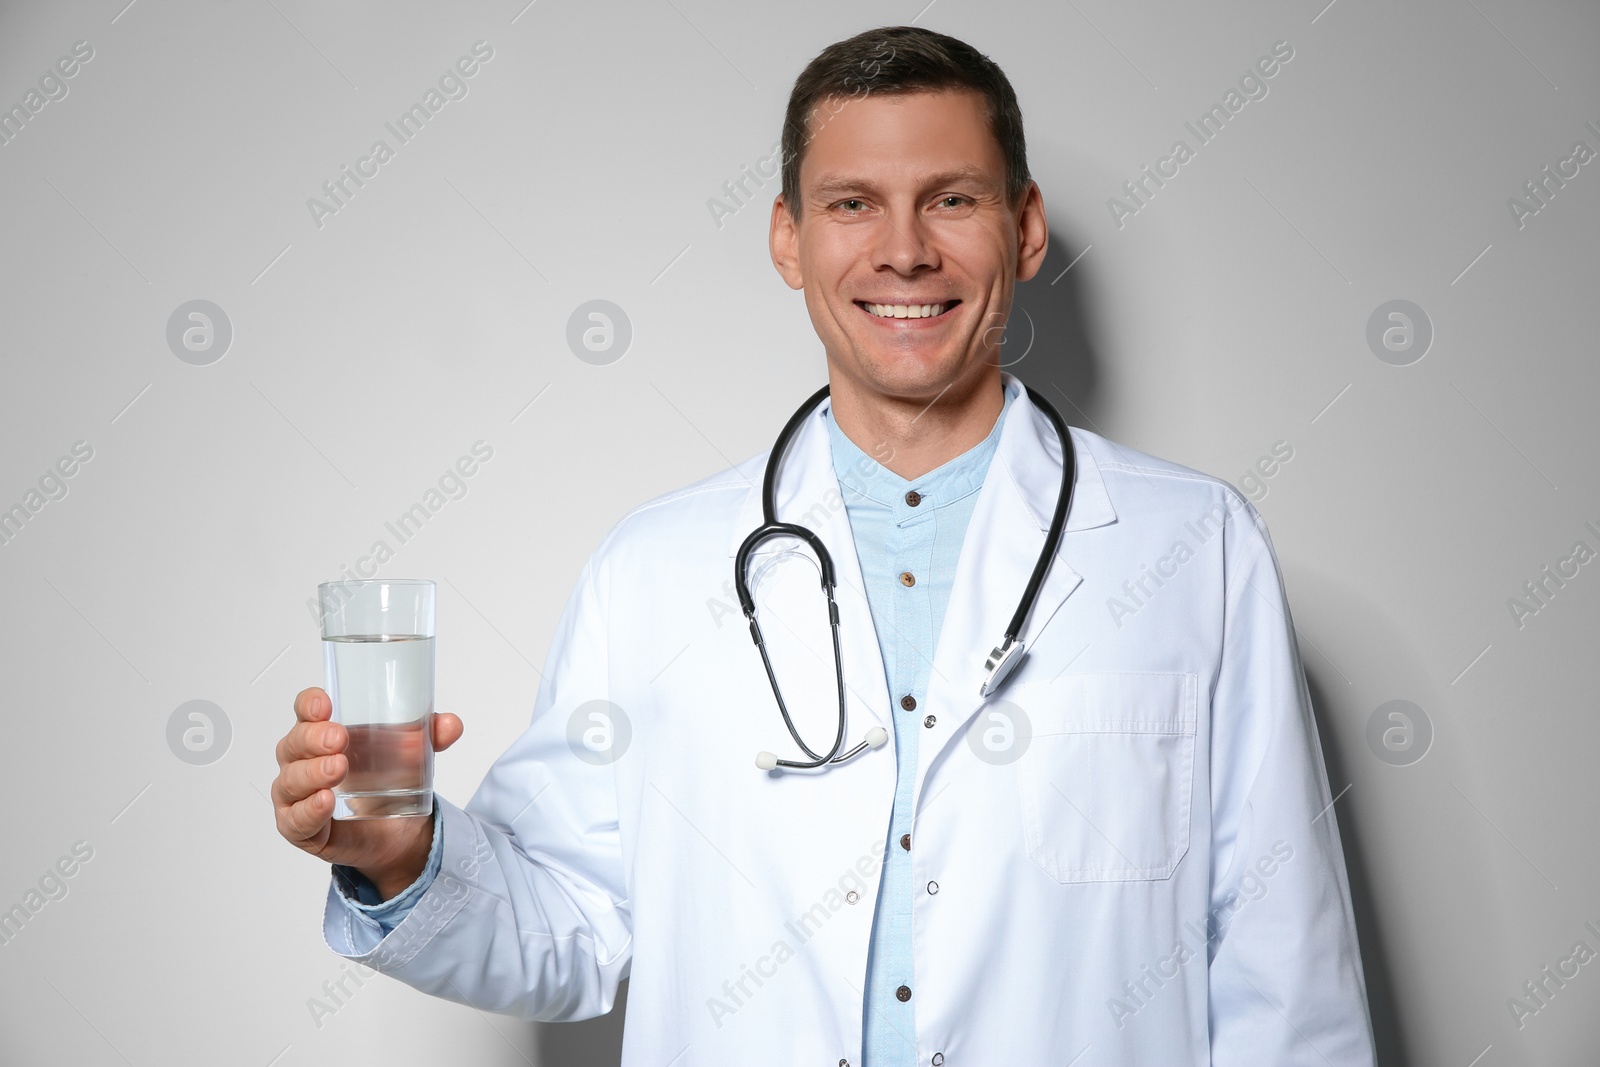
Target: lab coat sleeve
528 915
1286 982
362 897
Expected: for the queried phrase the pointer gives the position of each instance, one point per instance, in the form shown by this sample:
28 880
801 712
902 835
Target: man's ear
783 239
1034 233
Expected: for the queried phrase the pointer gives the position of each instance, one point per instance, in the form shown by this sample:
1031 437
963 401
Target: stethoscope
1001 661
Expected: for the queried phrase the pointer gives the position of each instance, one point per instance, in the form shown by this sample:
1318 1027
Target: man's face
903 204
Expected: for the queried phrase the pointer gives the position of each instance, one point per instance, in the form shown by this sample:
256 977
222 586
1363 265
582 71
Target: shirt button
938 1059
913 498
929 721
903 994
933 887
908 702
907 579
852 896
905 842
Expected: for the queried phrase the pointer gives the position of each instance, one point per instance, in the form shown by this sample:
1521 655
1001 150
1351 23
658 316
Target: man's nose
904 242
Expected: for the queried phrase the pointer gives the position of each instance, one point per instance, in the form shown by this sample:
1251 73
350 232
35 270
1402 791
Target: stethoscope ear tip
766 760
877 737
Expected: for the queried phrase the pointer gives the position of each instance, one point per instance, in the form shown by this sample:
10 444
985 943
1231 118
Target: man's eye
851 205
958 199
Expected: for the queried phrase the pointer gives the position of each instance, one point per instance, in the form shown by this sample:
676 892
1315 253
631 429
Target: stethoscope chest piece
998 667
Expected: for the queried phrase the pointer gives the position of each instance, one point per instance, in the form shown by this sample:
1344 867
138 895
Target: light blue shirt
361 894
893 538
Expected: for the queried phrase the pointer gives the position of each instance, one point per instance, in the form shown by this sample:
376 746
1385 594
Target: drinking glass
377 656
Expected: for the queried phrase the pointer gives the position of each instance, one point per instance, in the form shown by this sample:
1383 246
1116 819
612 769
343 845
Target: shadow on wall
1372 826
1046 345
592 1042
1047 339
1387 1033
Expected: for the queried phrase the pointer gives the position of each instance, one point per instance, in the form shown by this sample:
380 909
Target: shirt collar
862 476
1024 467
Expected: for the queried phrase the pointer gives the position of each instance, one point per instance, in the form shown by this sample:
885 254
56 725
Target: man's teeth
906 311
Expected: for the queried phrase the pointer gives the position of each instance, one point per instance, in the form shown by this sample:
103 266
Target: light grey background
368 353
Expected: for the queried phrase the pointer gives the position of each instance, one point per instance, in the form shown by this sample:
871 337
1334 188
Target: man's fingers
447 730
311 764
312 705
307 739
306 821
303 778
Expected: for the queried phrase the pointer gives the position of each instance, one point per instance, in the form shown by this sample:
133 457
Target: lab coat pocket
1107 776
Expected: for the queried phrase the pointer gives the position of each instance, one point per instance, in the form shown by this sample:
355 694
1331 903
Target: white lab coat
1156 879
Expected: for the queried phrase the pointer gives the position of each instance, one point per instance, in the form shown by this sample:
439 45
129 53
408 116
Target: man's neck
912 438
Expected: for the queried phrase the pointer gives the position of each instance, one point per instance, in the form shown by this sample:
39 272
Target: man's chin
908 376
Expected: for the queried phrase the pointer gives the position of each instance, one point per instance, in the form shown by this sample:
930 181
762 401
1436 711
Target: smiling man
907 233
1090 841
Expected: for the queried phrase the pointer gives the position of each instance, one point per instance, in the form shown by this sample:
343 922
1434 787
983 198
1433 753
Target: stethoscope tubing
771 527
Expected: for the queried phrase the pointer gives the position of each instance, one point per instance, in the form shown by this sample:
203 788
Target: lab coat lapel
1003 540
792 608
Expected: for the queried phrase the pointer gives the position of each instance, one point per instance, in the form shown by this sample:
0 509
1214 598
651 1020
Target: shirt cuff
361 894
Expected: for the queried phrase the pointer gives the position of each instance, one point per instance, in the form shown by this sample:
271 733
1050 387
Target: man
1128 854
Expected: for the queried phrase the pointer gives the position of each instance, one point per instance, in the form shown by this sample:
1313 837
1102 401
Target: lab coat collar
1029 467
1004 537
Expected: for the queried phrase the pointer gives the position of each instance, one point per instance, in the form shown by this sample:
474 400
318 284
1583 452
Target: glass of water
377 657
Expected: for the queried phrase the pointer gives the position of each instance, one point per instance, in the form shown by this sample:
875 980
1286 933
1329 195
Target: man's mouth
907 311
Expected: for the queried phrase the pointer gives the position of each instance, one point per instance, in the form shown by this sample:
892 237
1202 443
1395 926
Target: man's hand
311 761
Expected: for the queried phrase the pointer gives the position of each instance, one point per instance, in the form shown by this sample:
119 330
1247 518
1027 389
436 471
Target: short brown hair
899 60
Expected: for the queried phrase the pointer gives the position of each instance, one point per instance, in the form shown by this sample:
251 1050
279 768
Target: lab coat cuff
353 931
359 892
